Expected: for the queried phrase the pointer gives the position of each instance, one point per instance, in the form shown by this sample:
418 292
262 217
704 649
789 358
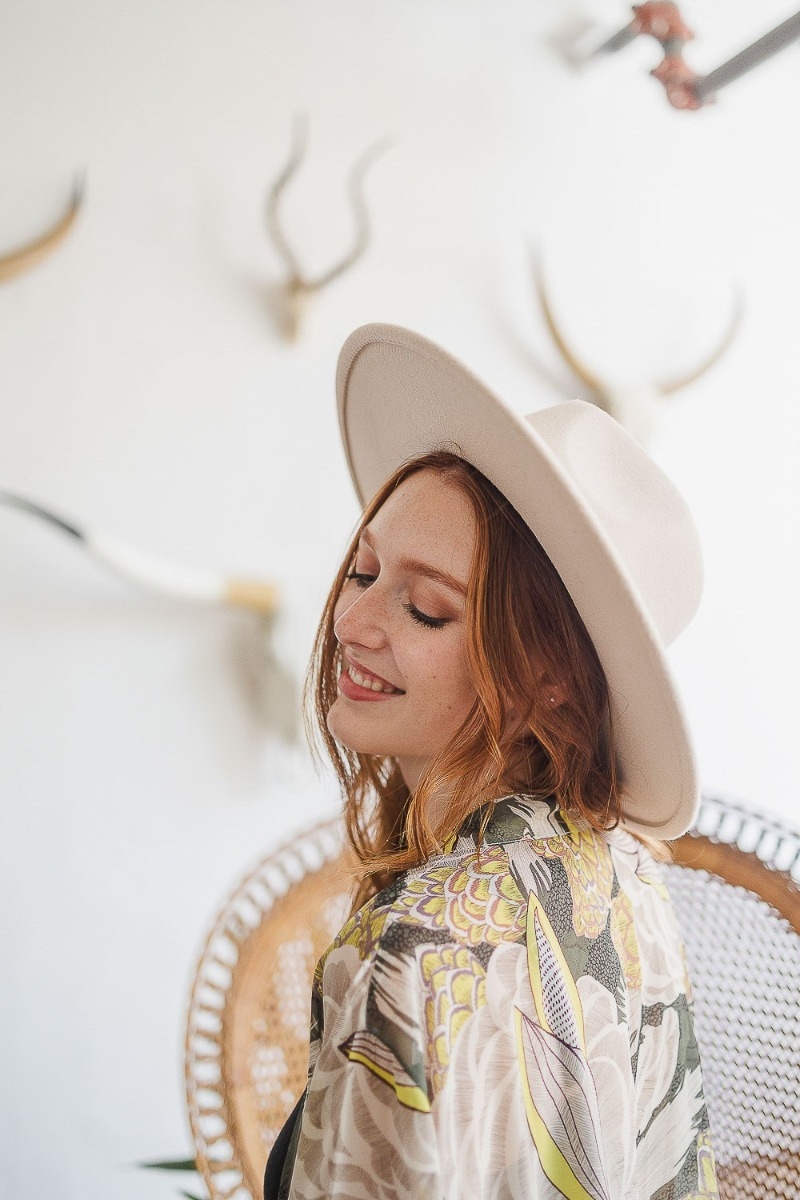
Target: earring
552 699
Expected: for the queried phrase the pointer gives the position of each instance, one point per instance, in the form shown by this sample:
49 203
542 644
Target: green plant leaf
178 1164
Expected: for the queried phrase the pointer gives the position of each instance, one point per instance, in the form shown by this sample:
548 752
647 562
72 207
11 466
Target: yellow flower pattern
456 988
706 1170
626 944
363 930
478 900
590 871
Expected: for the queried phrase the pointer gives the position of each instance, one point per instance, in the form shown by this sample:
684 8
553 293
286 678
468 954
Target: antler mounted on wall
298 287
634 407
271 688
26 256
150 573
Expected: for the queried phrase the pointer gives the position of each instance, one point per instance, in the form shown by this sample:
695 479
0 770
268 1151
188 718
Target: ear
554 694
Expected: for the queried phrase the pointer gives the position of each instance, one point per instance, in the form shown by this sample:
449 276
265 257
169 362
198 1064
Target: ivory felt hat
615 527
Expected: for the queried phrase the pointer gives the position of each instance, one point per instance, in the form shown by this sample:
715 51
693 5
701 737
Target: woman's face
405 687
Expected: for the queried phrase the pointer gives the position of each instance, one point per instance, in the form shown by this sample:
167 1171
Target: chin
352 731
347 733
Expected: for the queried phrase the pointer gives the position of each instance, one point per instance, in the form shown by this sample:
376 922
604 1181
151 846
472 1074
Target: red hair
534 667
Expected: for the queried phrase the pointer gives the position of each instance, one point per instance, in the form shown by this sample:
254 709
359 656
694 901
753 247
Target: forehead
429 518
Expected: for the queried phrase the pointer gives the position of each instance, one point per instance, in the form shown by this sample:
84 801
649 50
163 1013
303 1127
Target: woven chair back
247 1030
733 885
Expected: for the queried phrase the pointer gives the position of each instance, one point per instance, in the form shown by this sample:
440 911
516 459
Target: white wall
145 391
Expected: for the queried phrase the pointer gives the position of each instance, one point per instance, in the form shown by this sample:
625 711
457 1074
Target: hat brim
401 396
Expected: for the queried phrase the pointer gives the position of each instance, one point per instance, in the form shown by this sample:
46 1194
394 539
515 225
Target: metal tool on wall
685 88
271 689
299 287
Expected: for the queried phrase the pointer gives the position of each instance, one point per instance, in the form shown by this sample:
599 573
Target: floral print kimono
513 1022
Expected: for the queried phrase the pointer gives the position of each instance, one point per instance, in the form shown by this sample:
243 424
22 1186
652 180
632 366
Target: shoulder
473 891
512 819
479 890
467 895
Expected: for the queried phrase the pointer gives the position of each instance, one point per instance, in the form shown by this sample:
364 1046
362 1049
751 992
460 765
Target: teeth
372 685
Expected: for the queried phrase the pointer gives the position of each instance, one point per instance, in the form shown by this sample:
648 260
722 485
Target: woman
506 1013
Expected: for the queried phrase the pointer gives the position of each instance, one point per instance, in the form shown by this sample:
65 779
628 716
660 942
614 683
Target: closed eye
361 579
423 619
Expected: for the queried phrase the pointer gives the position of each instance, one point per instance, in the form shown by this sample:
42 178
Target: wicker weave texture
247 1030
744 963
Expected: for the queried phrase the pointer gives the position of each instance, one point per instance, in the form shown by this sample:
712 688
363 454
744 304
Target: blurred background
148 391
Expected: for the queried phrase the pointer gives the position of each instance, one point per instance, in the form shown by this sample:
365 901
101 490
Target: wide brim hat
613 524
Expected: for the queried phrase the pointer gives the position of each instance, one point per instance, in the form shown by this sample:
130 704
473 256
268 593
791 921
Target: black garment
277 1155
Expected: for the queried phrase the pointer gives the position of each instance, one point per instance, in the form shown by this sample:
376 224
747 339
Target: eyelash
363 581
423 619
360 578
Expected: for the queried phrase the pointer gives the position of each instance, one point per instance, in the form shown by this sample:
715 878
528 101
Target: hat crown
637 510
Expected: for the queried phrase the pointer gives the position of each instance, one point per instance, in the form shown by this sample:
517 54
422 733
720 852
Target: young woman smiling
506 1013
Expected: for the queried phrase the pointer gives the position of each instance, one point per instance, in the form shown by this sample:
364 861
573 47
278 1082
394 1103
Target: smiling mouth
372 683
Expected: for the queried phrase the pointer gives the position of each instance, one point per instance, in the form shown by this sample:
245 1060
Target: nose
361 619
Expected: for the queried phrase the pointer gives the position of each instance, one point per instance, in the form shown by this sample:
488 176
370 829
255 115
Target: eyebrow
416 567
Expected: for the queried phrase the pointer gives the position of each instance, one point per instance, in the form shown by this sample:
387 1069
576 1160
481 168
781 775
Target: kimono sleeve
418 1089
367 1131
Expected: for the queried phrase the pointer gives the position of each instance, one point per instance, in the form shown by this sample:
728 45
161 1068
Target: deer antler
668 387
19 260
633 407
592 381
298 286
150 573
299 138
270 686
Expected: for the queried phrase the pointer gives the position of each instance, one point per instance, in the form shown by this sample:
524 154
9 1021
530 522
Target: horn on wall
15 262
634 407
298 287
271 689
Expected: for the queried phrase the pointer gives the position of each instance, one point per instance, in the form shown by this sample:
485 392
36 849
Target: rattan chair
247 1030
733 883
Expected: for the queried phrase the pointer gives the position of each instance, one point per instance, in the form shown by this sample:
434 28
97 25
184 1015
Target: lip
354 691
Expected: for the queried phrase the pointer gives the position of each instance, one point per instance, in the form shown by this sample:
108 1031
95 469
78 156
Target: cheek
450 674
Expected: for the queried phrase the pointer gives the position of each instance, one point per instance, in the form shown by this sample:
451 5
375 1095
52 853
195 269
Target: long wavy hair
534 667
